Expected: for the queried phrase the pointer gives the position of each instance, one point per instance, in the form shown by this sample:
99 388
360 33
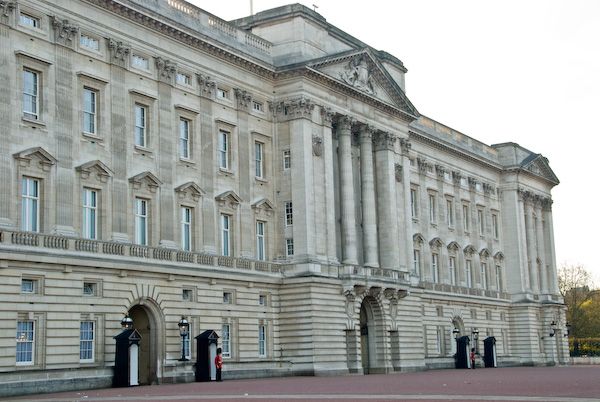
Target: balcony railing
447 288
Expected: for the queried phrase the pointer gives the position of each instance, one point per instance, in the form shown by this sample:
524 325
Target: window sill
187 162
225 172
261 180
143 151
92 138
33 123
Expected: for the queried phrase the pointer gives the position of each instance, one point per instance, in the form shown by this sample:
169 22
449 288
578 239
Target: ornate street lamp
475 333
127 322
456 332
552 328
568 332
184 329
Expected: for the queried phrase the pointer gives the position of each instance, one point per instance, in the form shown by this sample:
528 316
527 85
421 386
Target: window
28 286
289 247
257 106
413 203
468 273
90 289
90 97
435 272
29 20
450 212
222 93
187 295
480 221
140 62
260 241
416 261
223 150
287 159
432 208
89 42
262 341
141 139
31 98
184 79
258 160
30 198
227 298
495 225
289 216
90 214
452 269
141 221
262 300
225 235
25 342
499 278
184 138
466 216
226 340
187 344
186 228
439 341
86 341
484 281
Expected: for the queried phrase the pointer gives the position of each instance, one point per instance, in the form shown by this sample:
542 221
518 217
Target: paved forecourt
548 384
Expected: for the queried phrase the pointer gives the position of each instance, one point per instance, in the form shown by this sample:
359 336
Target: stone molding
206 85
189 189
243 98
405 146
295 108
103 173
357 73
7 7
537 200
423 165
456 177
147 177
327 115
440 170
317 145
45 159
119 52
64 31
472 183
166 69
384 141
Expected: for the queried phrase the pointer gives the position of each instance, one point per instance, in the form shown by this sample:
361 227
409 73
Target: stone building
266 178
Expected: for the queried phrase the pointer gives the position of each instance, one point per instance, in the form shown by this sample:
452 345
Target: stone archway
372 332
457 323
147 320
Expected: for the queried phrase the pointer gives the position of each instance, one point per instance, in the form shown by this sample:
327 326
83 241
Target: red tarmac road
527 384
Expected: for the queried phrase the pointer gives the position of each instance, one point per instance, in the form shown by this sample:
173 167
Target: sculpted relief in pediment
358 74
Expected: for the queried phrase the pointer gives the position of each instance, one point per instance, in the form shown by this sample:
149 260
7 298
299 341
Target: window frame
30 205
91 343
452 270
450 212
416 261
137 128
259 160
414 203
37 20
185 138
87 210
31 115
226 340
432 208
466 210
141 216
261 249
287 159
289 245
186 219
483 277
225 226
468 273
30 340
223 147
84 44
435 267
288 213
262 340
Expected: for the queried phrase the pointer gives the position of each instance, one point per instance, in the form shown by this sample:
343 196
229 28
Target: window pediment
453 246
418 238
263 206
151 181
190 190
470 250
484 253
436 242
43 157
228 198
499 256
102 172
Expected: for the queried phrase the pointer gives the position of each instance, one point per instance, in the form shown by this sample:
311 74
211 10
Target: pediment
229 197
39 153
102 171
418 238
484 253
190 188
146 177
436 242
263 203
539 166
453 246
470 250
361 71
499 256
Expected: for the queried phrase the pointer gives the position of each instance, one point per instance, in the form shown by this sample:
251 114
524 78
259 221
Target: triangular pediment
95 166
150 179
37 152
229 196
263 203
362 72
539 166
190 189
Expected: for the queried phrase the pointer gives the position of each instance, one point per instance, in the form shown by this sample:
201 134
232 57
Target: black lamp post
552 328
184 329
126 322
568 329
475 333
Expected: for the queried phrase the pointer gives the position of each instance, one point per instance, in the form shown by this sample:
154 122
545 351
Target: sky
525 71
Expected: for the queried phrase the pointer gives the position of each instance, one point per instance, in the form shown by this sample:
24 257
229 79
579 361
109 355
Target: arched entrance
147 323
371 342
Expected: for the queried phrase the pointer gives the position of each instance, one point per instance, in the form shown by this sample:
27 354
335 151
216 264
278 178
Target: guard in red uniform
219 364
472 356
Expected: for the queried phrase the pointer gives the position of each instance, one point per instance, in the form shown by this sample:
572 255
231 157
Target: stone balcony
462 290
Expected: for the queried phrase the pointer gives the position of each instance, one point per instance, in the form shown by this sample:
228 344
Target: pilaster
369 206
406 239
349 245
6 121
531 246
246 172
331 232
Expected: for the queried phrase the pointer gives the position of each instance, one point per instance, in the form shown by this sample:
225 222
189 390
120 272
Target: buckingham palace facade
266 178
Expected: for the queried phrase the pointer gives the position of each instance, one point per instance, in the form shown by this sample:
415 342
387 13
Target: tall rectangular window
30 94
260 241
25 343
289 216
187 343
186 228
86 341
499 278
452 269
258 160
468 273
413 203
289 247
435 270
416 261
450 212
90 97
223 150
184 138
481 222
262 340
226 340
432 208
495 226
439 341
141 139
225 235
90 214
466 218
287 159
484 281
30 199
141 221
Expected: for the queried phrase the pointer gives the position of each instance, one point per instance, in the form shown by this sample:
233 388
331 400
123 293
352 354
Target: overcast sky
525 71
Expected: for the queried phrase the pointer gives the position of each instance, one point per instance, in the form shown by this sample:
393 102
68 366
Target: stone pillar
349 246
543 274
522 236
331 232
207 88
7 114
549 248
531 249
368 197
387 210
246 173
406 239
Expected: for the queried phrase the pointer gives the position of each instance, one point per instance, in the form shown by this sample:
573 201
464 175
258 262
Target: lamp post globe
184 329
127 322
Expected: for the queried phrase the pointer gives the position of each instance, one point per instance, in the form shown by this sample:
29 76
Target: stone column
387 210
349 246
531 249
522 235
368 197
331 232
406 238
543 274
7 114
246 173
549 247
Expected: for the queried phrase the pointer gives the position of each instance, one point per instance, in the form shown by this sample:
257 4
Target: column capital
327 115
166 69
243 97
405 146
385 140
344 124
293 108
366 132
206 84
